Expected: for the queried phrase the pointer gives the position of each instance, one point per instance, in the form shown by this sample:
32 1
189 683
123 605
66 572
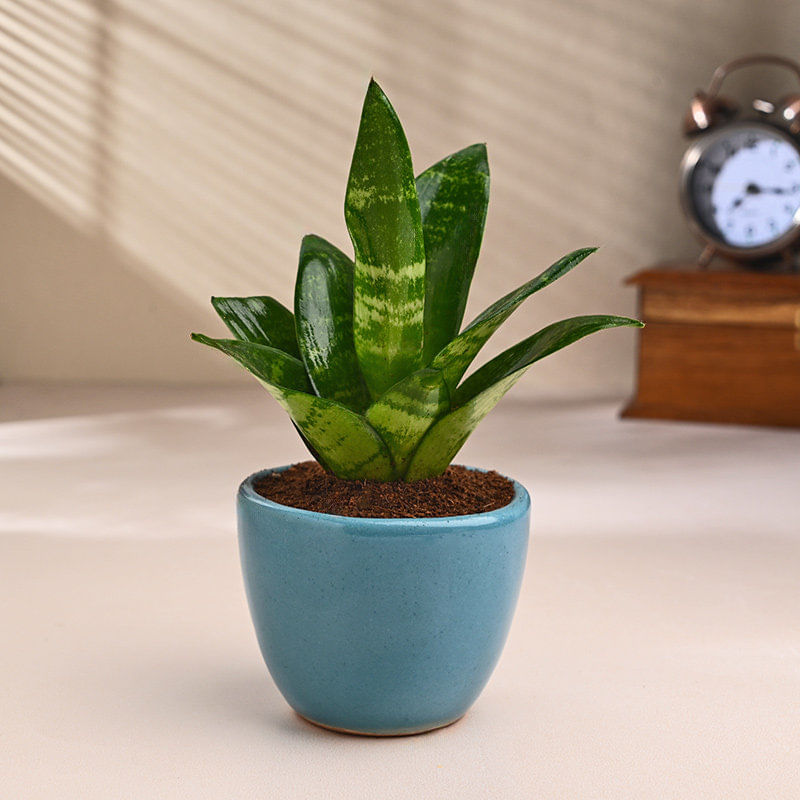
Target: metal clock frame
688 164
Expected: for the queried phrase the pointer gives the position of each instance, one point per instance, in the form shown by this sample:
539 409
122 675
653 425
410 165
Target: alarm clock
740 176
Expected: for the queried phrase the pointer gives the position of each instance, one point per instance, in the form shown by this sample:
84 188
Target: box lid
680 292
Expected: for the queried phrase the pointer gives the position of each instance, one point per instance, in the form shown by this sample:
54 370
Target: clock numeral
751 141
789 166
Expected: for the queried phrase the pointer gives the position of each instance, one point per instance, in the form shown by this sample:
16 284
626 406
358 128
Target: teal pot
381 626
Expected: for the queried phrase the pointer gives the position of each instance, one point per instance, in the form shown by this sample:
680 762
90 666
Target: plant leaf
456 357
315 453
543 343
453 198
343 440
383 218
323 305
479 394
447 435
261 320
268 364
402 415
350 448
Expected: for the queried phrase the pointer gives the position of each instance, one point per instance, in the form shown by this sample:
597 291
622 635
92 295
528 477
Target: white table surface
655 652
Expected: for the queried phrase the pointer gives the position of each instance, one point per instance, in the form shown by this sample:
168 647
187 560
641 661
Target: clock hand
753 188
779 190
736 203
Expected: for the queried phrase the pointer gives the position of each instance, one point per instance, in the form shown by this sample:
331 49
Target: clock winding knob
788 110
706 111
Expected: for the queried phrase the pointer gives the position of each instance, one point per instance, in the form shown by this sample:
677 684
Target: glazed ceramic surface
381 626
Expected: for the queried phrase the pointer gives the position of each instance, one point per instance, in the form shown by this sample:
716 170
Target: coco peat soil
457 491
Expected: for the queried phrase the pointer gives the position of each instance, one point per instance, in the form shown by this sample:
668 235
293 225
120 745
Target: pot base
414 732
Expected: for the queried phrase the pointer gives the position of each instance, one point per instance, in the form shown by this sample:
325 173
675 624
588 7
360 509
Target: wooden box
718 346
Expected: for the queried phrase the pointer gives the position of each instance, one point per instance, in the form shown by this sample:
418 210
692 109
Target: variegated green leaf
543 343
404 413
344 441
311 449
456 357
349 446
478 395
268 364
261 320
453 198
323 306
446 436
383 218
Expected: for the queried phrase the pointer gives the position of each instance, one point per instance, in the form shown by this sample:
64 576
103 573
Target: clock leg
704 259
789 260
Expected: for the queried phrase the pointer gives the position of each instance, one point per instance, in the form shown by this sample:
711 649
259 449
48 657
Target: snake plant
370 366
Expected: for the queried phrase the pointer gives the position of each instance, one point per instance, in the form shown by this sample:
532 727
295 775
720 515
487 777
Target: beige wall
152 154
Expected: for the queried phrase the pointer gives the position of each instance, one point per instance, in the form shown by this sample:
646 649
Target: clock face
745 186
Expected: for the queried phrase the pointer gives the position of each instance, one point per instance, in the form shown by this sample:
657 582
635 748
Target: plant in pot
387 621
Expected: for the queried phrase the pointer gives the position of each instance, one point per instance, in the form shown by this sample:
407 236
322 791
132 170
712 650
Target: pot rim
518 507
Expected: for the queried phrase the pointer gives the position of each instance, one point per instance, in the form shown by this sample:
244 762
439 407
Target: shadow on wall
189 144
180 173
168 129
137 133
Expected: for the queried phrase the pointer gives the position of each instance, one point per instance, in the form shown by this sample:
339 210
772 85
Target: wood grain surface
719 346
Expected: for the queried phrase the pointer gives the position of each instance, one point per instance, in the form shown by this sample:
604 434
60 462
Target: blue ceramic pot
381 626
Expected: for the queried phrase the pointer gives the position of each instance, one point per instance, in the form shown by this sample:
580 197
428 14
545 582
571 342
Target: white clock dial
746 186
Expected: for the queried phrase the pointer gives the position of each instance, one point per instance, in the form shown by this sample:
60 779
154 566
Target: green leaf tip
383 217
454 198
482 390
456 356
260 320
268 364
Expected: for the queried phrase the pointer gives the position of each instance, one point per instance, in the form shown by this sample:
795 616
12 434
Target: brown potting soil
458 491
